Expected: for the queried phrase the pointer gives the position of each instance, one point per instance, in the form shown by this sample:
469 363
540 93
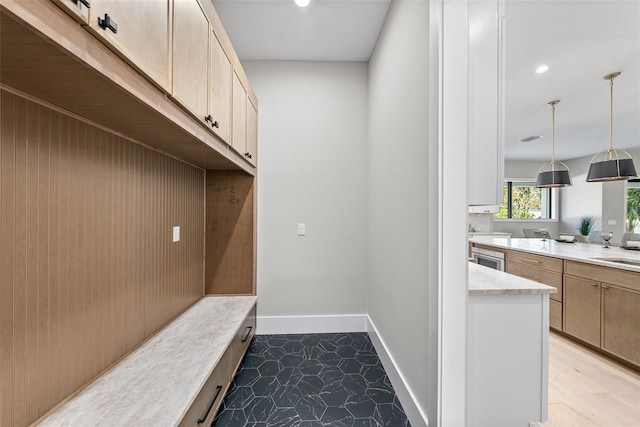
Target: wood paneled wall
88 269
230 255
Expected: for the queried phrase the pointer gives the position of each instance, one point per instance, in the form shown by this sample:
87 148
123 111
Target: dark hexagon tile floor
311 380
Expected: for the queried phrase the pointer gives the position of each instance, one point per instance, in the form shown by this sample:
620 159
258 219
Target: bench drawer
205 406
242 339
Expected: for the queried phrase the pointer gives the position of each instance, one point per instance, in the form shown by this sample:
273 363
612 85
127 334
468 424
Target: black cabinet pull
248 155
208 118
250 328
87 3
218 390
108 22
215 124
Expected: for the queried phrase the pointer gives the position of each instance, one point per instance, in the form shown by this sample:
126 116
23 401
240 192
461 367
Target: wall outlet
176 233
302 230
611 222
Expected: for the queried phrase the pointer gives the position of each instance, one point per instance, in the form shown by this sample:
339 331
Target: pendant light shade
611 165
553 174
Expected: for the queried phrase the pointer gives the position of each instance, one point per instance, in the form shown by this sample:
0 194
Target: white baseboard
416 416
268 325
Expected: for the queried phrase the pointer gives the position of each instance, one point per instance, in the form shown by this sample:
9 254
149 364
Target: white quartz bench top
157 382
487 281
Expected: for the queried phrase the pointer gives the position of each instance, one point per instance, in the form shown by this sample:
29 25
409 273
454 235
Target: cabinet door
77 9
140 31
190 57
485 104
239 136
252 134
582 309
220 91
621 322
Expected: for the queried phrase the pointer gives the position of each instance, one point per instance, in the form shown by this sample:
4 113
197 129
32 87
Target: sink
620 261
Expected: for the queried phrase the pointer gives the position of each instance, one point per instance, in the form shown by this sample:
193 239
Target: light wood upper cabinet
239 135
190 57
220 89
252 134
77 9
621 322
140 31
582 309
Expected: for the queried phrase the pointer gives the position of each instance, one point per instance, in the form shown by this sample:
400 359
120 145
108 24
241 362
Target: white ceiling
326 30
581 41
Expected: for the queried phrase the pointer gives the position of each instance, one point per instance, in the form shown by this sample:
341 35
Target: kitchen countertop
489 233
581 252
157 382
487 281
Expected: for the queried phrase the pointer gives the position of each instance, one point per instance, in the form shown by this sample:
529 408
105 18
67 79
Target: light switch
302 229
176 233
611 222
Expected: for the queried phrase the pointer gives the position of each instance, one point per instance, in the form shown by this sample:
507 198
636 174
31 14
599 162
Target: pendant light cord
611 115
553 133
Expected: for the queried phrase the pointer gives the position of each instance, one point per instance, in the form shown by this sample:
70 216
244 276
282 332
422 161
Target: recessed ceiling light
541 69
303 3
530 138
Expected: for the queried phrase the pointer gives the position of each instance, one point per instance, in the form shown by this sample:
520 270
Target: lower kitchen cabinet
555 314
582 309
621 322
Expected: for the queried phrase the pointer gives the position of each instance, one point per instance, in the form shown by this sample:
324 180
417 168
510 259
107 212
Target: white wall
398 187
312 154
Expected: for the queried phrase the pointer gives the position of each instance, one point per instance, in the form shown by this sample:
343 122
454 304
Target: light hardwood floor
586 389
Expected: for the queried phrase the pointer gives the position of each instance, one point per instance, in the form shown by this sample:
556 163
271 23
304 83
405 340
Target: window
522 200
633 206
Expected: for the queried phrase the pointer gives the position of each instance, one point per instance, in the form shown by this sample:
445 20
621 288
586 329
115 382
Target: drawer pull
595 285
248 155
108 22
249 329
605 287
215 124
218 390
531 261
87 3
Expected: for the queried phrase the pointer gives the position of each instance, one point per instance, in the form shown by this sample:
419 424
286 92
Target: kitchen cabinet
191 57
486 103
582 309
621 322
77 9
140 32
542 269
239 135
601 308
251 151
220 91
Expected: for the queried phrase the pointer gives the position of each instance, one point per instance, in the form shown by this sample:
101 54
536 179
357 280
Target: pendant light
611 165
554 174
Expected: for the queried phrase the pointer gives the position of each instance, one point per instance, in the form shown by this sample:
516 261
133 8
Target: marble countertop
157 382
489 233
582 252
487 281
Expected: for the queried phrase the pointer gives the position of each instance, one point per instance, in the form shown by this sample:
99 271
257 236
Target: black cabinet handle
87 3
248 155
208 118
215 124
108 22
218 390
249 328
